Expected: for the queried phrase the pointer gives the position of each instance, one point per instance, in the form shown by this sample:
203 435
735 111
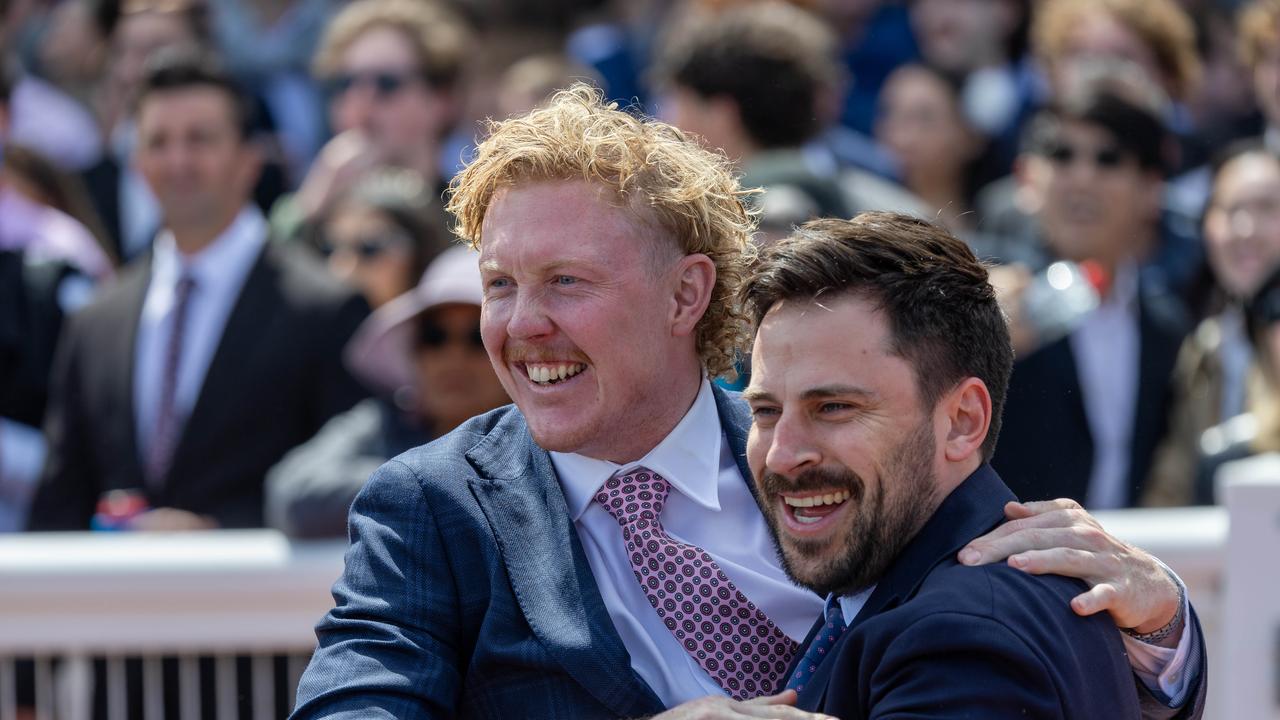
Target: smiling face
581 319
1096 201
1242 224
843 455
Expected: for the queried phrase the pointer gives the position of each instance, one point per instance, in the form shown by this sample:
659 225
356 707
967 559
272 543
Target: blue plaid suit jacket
467 594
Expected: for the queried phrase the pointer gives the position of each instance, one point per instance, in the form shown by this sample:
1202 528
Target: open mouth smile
811 513
546 374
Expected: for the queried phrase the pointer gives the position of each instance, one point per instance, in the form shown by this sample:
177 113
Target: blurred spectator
1215 378
982 45
73 51
48 263
394 73
1011 210
939 153
1155 35
1085 411
530 81
150 380
749 81
122 198
35 177
268 45
1258 30
424 355
30 220
1257 431
379 237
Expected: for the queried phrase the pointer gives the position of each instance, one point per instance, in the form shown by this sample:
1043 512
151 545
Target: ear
968 418
694 278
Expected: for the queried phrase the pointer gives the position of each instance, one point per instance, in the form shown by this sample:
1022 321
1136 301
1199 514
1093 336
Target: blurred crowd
228 289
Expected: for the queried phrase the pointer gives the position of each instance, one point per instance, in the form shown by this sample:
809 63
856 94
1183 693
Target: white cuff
1164 670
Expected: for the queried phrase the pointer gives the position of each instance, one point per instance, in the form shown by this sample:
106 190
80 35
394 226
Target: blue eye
499 283
566 280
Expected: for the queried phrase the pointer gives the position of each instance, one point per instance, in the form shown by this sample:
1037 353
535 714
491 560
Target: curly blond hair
1162 25
689 193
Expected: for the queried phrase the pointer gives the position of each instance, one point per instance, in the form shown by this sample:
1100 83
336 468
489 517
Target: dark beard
884 521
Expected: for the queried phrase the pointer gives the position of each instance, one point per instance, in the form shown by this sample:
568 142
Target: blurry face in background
137 37
1099 35
370 252
1242 224
379 90
1266 85
963 35
920 123
1096 202
192 155
73 49
455 379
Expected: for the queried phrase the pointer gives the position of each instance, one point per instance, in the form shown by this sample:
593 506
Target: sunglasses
433 337
1106 158
385 83
365 250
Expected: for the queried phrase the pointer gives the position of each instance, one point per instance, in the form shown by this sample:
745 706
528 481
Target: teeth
545 373
815 500
807 520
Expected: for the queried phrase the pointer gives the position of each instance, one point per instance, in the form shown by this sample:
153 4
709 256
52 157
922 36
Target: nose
791 446
355 106
529 317
342 264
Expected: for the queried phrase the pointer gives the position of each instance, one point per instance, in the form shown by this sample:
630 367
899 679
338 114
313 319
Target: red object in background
1097 276
117 508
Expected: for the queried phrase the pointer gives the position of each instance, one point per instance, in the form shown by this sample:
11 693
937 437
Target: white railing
78 596
66 599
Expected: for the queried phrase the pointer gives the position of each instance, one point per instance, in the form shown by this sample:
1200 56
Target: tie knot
186 283
638 495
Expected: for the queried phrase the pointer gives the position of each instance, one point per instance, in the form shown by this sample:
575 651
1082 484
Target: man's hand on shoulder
718 707
1059 537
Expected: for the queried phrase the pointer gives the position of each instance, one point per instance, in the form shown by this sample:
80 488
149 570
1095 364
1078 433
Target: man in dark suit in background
199 369
1087 408
515 567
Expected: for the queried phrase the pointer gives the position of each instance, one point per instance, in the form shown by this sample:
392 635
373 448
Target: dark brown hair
942 312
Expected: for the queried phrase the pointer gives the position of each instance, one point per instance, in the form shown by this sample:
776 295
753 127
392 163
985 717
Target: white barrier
1250 681
77 595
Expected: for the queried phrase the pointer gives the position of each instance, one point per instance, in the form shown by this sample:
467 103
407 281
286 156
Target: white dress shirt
711 506
219 271
1107 350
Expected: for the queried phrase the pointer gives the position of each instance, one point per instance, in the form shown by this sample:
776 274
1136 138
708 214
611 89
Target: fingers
786 697
778 712
1098 598
1062 561
1026 536
1043 506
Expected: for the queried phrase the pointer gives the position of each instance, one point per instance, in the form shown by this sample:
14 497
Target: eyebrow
818 393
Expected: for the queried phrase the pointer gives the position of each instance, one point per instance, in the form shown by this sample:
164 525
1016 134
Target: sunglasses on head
1107 157
385 83
434 337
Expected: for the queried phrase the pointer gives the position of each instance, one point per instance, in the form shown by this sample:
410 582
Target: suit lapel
1161 328
517 489
1065 366
120 358
244 337
735 421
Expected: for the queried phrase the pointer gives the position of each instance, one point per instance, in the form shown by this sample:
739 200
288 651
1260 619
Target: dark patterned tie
168 427
741 648
821 645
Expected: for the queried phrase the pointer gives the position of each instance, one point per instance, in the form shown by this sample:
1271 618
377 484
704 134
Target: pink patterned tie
725 632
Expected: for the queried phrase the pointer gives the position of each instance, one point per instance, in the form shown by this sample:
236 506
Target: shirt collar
688 457
237 247
851 605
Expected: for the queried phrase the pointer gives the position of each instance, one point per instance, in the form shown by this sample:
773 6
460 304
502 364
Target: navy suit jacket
937 639
467 593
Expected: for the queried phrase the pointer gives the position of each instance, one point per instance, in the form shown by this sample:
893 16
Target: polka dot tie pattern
732 639
819 647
